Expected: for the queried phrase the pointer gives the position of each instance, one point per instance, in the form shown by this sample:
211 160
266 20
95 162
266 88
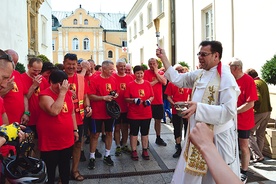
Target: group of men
222 98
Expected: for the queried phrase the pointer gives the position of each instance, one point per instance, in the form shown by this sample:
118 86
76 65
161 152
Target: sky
105 6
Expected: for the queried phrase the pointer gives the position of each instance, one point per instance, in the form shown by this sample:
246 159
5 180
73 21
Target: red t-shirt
2 110
150 76
143 91
15 96
177 94
33 100
73 81
123 84
56 132
101 87
248 93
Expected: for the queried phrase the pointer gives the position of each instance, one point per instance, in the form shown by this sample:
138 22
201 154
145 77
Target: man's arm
162 55
245 107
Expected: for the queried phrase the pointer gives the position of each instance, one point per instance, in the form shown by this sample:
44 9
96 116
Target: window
86 45
85 22
75 44
53 44
209 32
149 13
110 54
160 7
44 30
124 43
141 22
130 33
75 22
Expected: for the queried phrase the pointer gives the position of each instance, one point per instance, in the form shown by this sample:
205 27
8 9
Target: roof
109 21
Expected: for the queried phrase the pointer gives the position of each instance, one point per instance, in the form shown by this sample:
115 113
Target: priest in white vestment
214 101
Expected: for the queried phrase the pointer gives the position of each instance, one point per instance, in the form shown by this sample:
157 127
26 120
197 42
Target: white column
101 54
60 49
66 41
95 48
117 54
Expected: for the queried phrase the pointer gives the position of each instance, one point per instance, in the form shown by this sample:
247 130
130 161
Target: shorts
157 111
122 119
142 124
96 125
243 134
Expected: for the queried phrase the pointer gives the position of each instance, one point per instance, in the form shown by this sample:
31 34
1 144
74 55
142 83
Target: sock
92 155
107 152
178 146
158 136
243 172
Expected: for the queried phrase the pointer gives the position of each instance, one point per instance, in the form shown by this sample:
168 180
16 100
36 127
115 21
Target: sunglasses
6 57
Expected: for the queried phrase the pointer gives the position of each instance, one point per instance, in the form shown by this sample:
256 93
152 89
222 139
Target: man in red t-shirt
14 93
34 82
79 88
245 110
100 88
122 124
156 79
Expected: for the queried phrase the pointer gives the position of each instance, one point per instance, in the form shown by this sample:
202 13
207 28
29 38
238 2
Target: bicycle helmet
113 109
25 170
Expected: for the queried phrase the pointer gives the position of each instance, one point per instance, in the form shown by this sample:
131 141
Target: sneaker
145 154
82 157
98 154
118 151
134 155
91 164
107 160
244 178
87 141
177 153
126 150
103 137
160 142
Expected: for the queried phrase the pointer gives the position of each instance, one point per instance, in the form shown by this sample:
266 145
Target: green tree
43 58
20 68
183 63
268 71
144 66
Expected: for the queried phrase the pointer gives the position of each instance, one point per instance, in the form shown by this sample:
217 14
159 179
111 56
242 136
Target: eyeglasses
203 54
7 57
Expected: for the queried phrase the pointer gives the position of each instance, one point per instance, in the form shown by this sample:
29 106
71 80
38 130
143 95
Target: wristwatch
76 130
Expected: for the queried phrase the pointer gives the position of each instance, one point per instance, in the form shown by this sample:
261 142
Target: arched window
75 44
86 44
85 22
75 22
110 54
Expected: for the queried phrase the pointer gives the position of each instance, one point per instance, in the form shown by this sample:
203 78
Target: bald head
13 55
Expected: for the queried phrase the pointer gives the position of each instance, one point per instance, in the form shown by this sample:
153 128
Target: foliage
43 58
268 71
20 68
183 63
144 66
159 62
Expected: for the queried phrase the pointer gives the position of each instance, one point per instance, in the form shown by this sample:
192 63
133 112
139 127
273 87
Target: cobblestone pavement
159 169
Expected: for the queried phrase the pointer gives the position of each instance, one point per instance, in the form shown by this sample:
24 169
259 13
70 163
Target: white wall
45 14
13 27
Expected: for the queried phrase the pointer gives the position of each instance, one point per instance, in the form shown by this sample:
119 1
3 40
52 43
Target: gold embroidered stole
195 164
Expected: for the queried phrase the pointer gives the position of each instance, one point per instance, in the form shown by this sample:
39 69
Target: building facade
97 36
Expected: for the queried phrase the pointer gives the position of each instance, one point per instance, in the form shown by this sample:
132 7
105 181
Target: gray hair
121 60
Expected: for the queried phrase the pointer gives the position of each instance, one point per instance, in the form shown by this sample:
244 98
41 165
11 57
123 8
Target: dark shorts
157 111
81 130
244 134
96 125
122 119
143 125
